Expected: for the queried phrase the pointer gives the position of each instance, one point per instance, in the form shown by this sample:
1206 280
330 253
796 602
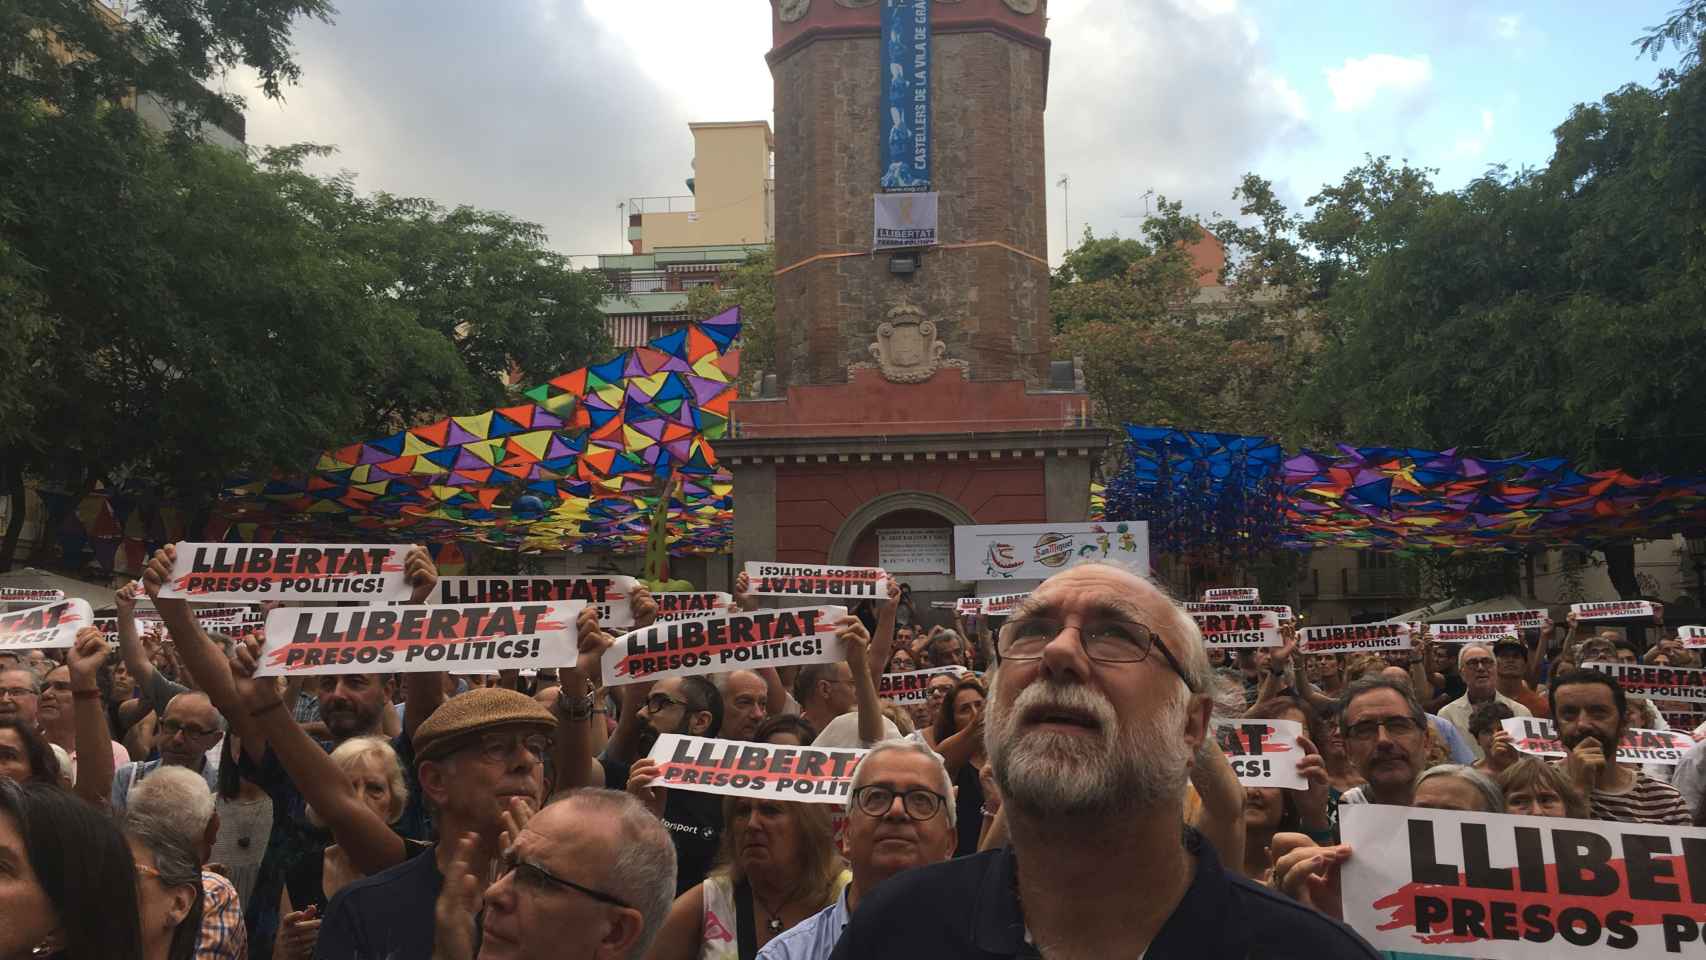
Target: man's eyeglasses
1479 663
1105 641
531 876
1395 727
172 727
497 748
919 804
659 702
16 693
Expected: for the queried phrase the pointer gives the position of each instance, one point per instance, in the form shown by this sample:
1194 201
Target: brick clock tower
912 387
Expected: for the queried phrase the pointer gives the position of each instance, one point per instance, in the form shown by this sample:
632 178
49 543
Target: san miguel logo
215 571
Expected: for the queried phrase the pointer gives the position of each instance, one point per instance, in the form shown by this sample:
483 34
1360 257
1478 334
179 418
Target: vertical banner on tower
905 116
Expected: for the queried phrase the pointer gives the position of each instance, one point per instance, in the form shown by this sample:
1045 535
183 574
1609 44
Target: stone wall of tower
987 286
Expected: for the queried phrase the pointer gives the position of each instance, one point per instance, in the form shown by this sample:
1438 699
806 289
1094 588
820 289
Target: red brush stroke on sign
826 630
665 768
1402 902
278 657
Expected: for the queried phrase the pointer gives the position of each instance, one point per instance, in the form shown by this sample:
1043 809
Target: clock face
792 10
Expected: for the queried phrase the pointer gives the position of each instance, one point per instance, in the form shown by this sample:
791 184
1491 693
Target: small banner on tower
905 220
1505 887
246 573
467 638
50 625
768 771
905 118
726 642
609 595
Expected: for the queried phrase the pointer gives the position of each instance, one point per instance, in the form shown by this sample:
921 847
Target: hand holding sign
1309 873
644 608
421 574
641 779
124 598
85 658
259 694
851 631
743 591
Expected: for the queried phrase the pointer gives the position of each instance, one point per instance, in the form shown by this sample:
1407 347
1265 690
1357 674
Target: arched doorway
856 540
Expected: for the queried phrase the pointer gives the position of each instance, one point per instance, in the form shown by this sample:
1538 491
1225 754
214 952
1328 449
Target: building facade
730 198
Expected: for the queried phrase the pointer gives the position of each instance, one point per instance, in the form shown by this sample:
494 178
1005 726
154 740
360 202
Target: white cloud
1486 121
1361 80
1474 145
1507 27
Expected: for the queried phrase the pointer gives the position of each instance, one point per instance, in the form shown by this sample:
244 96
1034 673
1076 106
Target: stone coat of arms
906 347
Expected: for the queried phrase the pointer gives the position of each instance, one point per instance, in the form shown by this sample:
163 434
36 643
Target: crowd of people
1059 794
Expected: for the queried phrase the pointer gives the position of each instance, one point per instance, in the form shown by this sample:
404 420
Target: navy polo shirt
924 913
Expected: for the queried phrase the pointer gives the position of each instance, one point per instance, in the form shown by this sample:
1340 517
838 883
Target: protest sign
223 571
812 580
49 625
1232 595
1512 888
968 606
1264 753
1662 683
770 771
1536 736
30 595
1037 551
1692 636
912 686
1469 632
1613 610
1357 638
609 595
1279 610
1231 630
690 604
387 639
724 642
1002 605
1520 619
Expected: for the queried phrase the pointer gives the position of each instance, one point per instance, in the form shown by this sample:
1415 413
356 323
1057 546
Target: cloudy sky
557 110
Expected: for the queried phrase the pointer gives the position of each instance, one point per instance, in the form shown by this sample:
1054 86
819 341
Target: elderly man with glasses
1479 668
899 816
1099 703
188 732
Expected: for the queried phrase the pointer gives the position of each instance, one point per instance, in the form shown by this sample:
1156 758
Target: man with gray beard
1098 704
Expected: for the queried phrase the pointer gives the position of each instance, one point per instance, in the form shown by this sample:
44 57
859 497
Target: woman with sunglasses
778 866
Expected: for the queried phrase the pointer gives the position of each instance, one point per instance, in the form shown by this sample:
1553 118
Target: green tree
751 287
1098 258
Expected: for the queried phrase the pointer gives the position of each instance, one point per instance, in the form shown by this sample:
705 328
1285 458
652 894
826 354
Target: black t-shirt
389 914
694 821
968 809
969 907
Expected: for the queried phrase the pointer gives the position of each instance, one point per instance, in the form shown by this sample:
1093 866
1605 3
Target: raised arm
852 633
129 639
423 692
882 642
624 744
93 740
200 655
370 842
575 760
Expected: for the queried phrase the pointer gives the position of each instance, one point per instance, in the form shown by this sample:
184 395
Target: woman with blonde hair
778 866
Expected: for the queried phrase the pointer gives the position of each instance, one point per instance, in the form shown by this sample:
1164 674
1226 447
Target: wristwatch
577 708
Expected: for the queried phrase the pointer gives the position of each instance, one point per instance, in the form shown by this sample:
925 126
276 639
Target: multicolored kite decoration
576 467
1226 493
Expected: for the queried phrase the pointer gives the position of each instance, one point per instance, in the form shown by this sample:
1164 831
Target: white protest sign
1002 605
1521 619
1232 630
813 580
31 595
1232 595
968 606
245 572
1692 636
1469 632
1613 610
388 639
690 604
46 626
737 768
1279 610
609 595
912 686
1037 551
724 642
1264 753
1357 638
1514 888
1659 683
1537 737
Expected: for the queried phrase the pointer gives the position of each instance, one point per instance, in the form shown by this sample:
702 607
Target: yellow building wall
732 203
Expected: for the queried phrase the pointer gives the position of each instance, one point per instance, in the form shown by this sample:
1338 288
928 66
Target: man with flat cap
476 756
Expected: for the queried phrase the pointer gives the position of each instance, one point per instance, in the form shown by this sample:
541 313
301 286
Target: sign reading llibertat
905 115
1037 551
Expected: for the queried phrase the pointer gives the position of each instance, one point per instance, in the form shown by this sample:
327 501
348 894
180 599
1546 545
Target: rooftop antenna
1065 185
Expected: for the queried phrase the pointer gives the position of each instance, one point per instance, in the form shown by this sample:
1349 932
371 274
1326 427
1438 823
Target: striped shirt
1648 801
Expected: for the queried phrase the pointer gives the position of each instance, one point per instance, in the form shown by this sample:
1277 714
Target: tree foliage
751 287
